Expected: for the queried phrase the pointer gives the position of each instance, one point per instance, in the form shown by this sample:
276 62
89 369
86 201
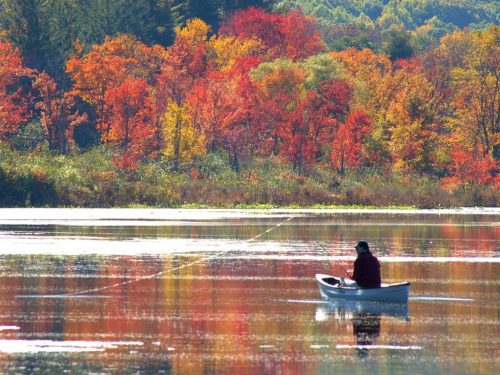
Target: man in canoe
366 267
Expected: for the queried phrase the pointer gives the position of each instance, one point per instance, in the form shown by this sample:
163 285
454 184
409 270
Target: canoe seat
331 280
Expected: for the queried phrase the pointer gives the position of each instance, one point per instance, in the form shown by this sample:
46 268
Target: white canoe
330 289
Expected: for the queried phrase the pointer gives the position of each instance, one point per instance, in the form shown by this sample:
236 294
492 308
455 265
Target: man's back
367 271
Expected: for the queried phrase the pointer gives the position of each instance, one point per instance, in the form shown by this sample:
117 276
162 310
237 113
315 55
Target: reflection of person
366 267
366 328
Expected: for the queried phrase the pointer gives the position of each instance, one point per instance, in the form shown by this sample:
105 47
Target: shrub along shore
41 178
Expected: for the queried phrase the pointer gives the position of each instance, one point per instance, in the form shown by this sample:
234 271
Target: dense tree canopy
44 30
261 85
373 23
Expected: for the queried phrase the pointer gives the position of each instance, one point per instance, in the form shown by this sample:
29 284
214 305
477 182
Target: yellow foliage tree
374 87
368 71
476 84
195 32
223 50
183 140
412 119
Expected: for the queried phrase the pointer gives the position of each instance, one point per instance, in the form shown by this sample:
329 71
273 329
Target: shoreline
157 216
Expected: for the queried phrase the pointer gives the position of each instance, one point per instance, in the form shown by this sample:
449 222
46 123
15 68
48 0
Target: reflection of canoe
342 309
329 288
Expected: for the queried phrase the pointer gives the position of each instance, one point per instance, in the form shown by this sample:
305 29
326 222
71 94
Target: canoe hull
397 293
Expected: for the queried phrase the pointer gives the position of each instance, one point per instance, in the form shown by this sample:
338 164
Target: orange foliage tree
297 122
368 70
14 97
347 146
371 77
223 105
414 120
57 112
107 66
187 56
215 107
128 112
467 168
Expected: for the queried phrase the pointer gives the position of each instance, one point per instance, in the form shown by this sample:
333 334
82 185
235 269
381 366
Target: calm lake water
233 292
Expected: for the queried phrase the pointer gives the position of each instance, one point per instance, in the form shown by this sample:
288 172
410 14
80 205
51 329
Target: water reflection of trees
389 234
90 363
219 311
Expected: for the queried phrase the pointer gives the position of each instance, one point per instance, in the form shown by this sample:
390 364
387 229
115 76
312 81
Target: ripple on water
238 293
49 346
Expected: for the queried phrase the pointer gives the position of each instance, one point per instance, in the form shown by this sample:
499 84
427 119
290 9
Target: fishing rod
161 273
347 272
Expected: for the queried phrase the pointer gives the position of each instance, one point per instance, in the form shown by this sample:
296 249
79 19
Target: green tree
60 22
163 30
101 18
232 5
398 44
22 20
204 10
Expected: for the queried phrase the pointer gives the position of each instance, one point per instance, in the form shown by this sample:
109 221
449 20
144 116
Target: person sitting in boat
366 271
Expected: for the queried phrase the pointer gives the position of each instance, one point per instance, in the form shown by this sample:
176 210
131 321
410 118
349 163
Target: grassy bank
90 179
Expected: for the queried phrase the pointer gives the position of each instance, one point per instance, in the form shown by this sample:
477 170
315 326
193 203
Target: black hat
363 245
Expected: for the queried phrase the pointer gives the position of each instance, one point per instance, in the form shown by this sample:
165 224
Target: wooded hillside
243 105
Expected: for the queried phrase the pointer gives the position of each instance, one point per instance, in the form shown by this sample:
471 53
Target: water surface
233 292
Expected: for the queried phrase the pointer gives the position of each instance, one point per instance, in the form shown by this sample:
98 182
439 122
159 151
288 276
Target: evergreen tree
205 10
22 21
227 7
398 44
99 18
178 11
163 23
232 5
149 20
60 21
45 30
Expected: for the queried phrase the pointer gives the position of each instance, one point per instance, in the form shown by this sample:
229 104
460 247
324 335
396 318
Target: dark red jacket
367 271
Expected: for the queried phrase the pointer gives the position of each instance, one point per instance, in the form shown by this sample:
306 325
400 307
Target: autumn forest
223 103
